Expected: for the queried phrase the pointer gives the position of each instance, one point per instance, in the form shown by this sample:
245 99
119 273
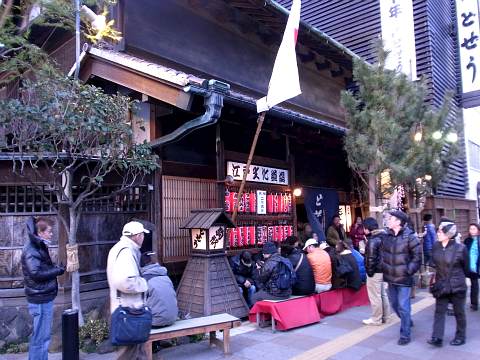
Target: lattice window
26 199
134 199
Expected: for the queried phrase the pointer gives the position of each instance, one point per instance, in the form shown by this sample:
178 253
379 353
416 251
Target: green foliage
382 118
93 333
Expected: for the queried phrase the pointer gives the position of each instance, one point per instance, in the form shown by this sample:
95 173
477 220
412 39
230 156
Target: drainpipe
213 93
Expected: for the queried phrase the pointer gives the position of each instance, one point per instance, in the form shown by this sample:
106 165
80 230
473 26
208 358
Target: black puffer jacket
401 256
39 273
241 271
267 277
442 258
305 284
372 252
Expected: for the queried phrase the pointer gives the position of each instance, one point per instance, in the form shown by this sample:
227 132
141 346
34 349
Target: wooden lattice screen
179 196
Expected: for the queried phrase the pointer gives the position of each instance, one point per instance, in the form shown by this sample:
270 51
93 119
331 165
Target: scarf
473 253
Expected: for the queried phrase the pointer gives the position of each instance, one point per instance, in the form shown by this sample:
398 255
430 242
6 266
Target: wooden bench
206 324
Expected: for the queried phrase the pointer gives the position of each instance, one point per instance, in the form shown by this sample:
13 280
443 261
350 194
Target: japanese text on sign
398 36
258 173
469 46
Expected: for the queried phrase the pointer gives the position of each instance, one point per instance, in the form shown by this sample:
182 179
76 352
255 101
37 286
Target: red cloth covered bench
287 314
333 301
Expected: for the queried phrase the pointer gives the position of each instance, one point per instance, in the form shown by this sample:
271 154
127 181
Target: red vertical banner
290 230
246 236
270 203
228 206
252 232
281 235
233 199
269 233
290 203
253 202
276 203
246 202
281 203
286 231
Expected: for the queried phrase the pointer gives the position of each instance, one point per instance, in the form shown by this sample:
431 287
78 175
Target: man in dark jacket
161 296
242 267
401 259
40 282
305 283
376 287
267 275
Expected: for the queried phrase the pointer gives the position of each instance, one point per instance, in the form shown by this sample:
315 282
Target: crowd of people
386 259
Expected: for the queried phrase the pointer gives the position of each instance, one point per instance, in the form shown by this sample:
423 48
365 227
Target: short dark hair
427 217
42 223
476 225
370 224
146 258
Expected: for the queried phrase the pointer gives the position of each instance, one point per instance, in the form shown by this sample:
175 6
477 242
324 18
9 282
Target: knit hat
269 248
448 228
399 215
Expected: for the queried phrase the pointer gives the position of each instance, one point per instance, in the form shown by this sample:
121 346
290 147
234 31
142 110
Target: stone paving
339 337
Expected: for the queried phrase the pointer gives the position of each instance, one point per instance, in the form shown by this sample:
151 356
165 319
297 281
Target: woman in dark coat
451 266
305 283
473 248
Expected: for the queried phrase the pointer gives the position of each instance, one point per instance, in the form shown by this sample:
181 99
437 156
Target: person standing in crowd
357 233
376 287
40 282
125 281
335 231
451 266
428 236
352 278
401 259
473 247
242 267
305 283
306 234
321 265
161 295
267 275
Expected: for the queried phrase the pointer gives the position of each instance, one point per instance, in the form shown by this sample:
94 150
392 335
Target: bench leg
258 319
273 325
149 350
213 338
226 341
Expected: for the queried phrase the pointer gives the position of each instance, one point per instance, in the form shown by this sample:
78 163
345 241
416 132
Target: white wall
471 119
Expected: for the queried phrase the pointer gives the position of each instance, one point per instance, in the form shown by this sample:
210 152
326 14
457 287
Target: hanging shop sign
261 202
257 173
398 35
469 46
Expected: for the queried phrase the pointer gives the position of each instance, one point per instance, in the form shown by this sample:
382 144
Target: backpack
286 276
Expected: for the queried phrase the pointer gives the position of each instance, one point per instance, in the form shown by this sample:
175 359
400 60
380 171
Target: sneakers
371 322
457 342
435 342
403 341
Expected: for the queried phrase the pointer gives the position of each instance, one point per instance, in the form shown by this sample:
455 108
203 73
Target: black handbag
442 287
130 326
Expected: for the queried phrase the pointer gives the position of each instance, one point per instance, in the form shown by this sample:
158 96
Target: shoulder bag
130 326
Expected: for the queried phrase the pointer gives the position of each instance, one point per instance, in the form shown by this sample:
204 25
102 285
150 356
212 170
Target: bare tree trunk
373 196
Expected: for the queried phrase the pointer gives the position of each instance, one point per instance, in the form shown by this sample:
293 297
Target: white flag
284 83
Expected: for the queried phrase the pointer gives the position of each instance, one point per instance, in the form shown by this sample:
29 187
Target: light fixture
428 177
437 135
297 192
98 22
452 137
418 133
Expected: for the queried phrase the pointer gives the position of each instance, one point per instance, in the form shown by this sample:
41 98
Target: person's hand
247 284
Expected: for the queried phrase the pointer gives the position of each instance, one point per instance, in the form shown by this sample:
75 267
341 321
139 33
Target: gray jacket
161 296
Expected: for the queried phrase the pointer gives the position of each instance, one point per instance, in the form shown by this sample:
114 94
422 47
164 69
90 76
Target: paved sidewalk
337 337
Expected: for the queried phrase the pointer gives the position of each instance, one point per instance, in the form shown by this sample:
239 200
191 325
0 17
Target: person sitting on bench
350 279
161 296
305 283
321 265
242 267
268 273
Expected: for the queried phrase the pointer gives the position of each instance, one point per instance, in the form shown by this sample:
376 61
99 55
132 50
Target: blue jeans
399 297
249 293
42 326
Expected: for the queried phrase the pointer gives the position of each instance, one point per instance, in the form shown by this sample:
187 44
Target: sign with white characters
468 43
256 173
398 36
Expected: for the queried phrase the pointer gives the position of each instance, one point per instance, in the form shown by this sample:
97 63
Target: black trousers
474 289
441 304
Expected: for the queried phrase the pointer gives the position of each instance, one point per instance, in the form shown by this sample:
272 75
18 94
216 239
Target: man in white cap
321 265
124 279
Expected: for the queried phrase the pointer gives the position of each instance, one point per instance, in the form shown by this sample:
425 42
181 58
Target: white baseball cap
134 228
310 242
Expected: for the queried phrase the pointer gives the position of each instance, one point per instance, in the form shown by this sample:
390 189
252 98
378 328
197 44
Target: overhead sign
256 173
398 35
469 47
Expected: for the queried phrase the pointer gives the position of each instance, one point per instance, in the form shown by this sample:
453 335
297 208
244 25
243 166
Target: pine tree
394 132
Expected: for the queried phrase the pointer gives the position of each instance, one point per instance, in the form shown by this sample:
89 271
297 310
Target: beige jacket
123 274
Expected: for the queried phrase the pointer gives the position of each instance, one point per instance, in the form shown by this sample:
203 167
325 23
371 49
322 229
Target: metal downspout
213 93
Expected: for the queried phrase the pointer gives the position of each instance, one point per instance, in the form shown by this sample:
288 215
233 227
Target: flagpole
260 119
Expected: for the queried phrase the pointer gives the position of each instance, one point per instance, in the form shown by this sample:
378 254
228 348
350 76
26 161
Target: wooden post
261 117
220 154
